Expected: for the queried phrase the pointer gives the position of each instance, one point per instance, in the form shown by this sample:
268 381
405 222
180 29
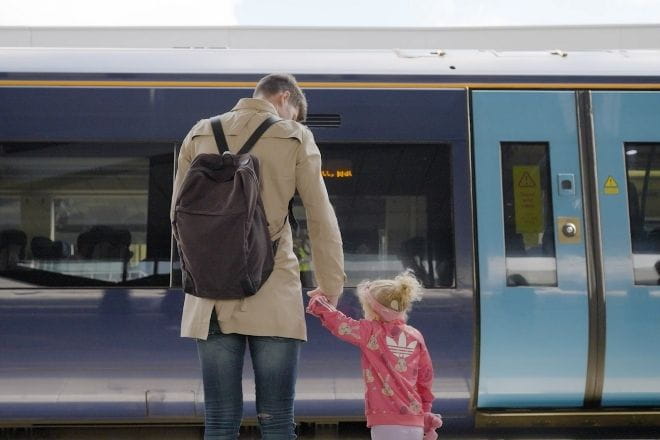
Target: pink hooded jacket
396 365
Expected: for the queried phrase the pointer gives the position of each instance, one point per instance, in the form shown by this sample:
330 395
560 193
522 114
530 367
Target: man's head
282 90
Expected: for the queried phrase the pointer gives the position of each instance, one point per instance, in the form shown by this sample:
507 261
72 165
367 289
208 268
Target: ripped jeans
275 362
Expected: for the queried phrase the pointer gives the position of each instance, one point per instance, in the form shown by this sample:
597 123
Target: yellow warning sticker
611 187
527 199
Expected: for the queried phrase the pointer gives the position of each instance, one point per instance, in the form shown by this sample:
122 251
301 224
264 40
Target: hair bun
408 287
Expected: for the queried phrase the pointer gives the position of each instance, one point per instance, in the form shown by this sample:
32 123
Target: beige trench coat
289 159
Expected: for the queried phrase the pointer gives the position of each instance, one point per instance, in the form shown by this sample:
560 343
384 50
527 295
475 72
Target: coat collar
257 104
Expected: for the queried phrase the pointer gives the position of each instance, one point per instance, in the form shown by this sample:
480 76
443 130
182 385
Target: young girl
396 365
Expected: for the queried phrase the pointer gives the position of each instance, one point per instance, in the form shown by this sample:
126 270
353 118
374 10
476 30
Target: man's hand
331 299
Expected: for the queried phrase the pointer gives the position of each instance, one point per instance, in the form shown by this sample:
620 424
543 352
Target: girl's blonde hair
397 294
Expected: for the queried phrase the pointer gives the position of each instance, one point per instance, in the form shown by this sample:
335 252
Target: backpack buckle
227 158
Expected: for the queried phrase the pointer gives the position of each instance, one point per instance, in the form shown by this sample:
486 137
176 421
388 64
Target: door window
528 225
643 180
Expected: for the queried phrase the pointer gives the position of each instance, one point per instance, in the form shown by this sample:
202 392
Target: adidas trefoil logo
400 349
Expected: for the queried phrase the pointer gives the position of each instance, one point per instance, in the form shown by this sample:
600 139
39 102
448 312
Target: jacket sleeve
347 329
183 165
327 250
425 378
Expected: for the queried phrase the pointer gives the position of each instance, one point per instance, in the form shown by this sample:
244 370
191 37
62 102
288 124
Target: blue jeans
275 363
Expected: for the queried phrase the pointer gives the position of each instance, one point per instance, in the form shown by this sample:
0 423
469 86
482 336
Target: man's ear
284 97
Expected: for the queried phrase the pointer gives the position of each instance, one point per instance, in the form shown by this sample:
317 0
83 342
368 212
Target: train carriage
522 188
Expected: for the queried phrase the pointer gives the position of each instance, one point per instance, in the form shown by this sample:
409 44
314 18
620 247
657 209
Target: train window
528 225
10 212
85 214
643 176
393 203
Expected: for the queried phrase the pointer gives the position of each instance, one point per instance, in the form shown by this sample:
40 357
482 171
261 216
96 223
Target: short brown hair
281 82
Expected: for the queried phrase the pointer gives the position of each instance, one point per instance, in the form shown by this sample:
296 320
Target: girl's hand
331 299
431 423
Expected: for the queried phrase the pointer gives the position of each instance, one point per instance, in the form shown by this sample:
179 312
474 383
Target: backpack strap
270 120
221 142
219 135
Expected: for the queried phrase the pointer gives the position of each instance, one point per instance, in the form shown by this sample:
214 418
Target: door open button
569 230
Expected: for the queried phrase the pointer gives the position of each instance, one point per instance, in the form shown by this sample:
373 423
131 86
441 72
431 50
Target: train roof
393 62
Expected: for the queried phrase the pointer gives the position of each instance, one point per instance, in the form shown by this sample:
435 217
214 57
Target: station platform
306 431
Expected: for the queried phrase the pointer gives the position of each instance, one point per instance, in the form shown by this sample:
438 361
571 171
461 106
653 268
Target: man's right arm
327 250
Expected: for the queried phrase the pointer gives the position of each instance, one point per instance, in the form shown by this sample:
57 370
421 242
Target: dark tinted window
84 214
643 175
394 207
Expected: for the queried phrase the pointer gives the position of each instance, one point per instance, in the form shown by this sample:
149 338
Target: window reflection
643 178
528 219
85 214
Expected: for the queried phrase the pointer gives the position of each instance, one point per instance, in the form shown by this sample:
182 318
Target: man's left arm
183 165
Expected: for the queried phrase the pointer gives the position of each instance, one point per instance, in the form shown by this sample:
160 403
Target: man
272 322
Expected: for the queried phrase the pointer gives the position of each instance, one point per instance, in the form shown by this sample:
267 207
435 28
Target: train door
627 147
534 316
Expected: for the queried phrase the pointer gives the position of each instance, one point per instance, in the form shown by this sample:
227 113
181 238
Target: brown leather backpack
219 222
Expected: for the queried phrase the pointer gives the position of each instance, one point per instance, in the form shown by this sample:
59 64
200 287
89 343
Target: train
521 187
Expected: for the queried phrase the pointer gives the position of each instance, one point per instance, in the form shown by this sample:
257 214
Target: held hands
331 299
